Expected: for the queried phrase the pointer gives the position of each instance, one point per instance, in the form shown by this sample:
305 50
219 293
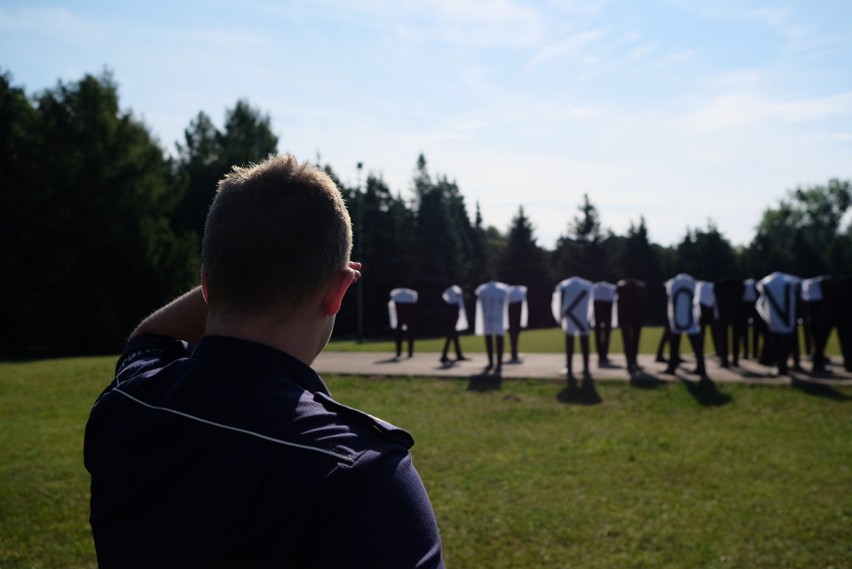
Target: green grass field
518 477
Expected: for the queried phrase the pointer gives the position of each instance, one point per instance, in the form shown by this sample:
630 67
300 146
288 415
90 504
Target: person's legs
627 340
630 337
663 340
446 348
783 344
674 352
499 352
739 336
513 341
584 346
569 358
603 329
636 334
459 355
697 342
398 339
489 347
722 328
569 353
795 348
514 311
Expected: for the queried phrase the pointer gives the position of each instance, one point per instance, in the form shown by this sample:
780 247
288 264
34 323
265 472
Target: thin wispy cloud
678 110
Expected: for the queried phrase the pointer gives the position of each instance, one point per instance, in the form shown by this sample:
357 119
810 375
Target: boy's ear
340 283
204 291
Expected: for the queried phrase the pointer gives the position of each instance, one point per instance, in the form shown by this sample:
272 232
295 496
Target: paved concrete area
552 366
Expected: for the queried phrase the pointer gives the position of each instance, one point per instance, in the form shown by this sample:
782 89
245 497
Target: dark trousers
514 309
569 353
630 333
452 333
603 328
404 327
489 347
783 348
697 348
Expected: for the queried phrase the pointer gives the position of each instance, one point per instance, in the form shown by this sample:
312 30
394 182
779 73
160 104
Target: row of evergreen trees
100 225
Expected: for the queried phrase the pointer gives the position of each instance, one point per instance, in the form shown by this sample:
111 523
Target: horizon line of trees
100 225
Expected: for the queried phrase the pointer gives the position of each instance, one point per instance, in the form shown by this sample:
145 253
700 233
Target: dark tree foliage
525 263
580 252
91 210
706 255
383 244
639 260
437 246
197 168
803 234
207 154
99 228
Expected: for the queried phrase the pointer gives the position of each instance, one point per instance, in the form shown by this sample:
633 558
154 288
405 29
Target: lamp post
359 251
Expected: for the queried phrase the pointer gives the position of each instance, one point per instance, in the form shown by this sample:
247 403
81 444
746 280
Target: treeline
100 225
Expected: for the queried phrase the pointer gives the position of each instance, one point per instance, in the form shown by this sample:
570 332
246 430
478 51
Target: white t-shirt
492 316
812 289
453 295
570 305
682 311
603 291
776 304
399 296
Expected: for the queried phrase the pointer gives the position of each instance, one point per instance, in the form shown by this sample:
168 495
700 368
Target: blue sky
680 111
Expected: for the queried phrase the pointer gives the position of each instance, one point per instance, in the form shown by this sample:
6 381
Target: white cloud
472 23
740 110
572 46
49 22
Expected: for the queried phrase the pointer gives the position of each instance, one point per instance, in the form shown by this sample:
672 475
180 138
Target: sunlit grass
754 476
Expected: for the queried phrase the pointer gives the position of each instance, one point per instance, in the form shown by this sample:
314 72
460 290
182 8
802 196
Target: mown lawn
518 475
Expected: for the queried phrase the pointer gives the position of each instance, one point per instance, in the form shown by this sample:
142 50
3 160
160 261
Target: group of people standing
500 308
772 307
775 308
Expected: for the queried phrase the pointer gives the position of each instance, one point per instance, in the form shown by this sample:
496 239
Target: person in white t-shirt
492 319
456 321
776 305
401 307
570 307
683 317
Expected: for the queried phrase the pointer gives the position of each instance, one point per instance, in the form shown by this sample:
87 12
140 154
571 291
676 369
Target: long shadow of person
704 391
642 380
818 389
485 382
585 394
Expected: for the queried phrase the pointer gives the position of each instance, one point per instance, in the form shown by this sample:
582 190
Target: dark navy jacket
233 454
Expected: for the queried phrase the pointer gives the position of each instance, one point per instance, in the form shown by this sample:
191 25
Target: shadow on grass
642 380
586 394
746 373
704 391
818 389
485 381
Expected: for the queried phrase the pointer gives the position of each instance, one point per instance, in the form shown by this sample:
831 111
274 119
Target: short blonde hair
275 234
